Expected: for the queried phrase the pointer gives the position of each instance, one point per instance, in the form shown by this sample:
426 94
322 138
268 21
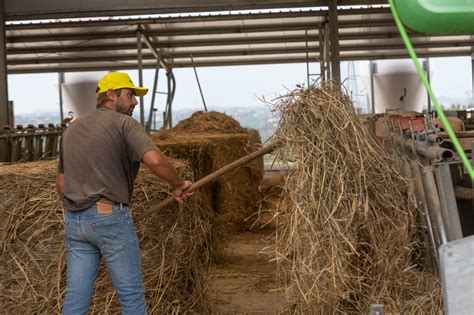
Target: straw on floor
173 245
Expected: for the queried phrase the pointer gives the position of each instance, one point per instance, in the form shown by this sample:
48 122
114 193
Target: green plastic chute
440 17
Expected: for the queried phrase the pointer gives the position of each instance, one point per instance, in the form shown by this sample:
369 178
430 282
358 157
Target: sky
232 86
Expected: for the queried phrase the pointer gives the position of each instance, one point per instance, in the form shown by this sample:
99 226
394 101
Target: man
100 157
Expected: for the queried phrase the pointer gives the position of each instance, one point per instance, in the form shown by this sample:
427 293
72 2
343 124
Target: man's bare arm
159 164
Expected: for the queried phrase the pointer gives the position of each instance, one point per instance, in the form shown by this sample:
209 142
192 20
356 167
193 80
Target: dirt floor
247 283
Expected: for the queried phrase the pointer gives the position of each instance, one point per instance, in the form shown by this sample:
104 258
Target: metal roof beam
213 63
193 19
177 43
282 27
131 56
156 52
33 9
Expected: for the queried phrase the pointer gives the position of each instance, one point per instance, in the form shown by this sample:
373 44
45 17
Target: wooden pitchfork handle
229 167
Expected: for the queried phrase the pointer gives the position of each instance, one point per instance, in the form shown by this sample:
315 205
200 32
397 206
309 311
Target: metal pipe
307 55
435 139
326 51
154 51
171 99
334 34
433 152
140 74
449 206
422 205
372 91
61 105
428 76
4 110
199 84
432 199
321 54
153 95
171 83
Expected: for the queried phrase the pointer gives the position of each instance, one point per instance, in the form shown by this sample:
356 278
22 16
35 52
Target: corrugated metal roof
214 40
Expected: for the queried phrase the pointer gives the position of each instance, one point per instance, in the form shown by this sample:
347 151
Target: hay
210 122
173 246
349 237
271 189
210 141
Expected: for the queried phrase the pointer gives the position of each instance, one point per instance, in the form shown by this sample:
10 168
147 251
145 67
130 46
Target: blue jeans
90 236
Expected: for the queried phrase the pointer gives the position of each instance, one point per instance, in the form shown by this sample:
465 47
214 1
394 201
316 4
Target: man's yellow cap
119 80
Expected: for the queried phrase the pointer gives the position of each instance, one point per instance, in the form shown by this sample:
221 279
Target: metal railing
429 166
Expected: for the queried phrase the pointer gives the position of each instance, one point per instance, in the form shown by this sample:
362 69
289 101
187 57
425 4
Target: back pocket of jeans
111 236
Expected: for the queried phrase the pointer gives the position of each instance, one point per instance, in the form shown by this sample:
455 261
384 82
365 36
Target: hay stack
348 241
210 141
173 246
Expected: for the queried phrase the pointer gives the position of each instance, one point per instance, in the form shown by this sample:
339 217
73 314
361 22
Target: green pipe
440 17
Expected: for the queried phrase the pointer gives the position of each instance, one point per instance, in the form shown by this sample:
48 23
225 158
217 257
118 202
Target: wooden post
39 141
49 140
17 143
30 143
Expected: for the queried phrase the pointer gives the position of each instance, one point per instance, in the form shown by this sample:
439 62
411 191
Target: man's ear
111 94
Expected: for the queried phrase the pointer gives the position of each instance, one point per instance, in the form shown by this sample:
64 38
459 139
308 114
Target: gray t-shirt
100 157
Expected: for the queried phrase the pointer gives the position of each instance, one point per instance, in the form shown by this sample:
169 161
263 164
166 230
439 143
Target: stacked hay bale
173 245
349 237
271 190
210 141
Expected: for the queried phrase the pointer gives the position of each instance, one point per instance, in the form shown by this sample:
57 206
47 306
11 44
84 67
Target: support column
334 35
153 95
373 70
428 75
307 55
322 60
327 51
4 110
199 84
61 108
140 75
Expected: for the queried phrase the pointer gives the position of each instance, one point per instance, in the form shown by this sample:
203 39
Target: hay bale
271 189
350 237
173 245
210 141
